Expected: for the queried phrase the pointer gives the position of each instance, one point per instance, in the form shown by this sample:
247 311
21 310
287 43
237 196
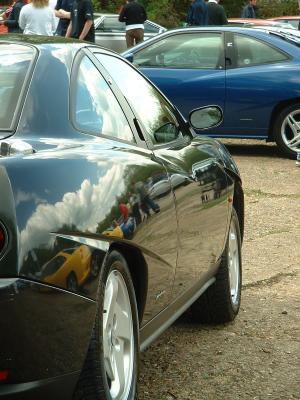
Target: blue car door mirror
206 117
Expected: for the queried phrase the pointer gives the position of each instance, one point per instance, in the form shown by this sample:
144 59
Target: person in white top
37 18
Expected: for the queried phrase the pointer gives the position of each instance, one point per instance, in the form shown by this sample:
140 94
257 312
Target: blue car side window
193 51
250 51
96 109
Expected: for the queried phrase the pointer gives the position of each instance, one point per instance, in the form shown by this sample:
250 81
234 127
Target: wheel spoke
118 336
295 141
294 125
233 264
123 324
118 384
110 302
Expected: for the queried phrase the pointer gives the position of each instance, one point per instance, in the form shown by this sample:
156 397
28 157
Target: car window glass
195 51
14 64
96 109
151 108
250 51
111 24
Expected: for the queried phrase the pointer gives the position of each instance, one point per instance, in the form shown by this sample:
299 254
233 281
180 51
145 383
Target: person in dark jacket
63 6
134 16
249 10
12 22
197 13
81 24
216 13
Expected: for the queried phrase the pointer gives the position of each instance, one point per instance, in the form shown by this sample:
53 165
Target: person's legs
139 35
130 38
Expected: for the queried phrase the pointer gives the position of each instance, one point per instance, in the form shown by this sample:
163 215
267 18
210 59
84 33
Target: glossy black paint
64 208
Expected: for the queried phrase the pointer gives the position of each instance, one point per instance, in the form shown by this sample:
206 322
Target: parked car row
252 74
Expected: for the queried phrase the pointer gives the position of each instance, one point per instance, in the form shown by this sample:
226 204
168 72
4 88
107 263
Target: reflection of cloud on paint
23 197
83 208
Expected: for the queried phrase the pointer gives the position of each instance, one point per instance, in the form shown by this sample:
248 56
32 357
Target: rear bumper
44 337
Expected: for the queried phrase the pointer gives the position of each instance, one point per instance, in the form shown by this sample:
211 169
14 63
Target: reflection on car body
115 218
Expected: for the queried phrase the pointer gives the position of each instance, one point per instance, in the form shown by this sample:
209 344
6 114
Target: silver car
110 32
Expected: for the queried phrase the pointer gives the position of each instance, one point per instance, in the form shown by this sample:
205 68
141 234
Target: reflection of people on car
135 208
147 203
126 222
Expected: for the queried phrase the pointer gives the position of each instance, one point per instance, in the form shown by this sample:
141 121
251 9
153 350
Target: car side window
111 24
192 50
150 107
250 51
96 109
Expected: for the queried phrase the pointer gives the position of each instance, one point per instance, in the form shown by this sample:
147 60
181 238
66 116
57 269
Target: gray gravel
257 356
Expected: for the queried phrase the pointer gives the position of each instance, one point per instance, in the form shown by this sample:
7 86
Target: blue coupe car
253 74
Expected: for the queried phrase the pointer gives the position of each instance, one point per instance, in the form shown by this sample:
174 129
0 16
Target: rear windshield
14 66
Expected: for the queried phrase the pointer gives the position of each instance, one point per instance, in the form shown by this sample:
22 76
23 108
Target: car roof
285 17
47 43
253 21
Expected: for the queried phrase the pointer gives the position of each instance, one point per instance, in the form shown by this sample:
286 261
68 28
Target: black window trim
21 100
182 123
84 52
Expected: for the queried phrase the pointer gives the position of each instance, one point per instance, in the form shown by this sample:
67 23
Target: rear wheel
221 301
111 368
287 130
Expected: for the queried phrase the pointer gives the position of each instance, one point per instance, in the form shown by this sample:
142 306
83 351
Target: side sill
162 321
59 388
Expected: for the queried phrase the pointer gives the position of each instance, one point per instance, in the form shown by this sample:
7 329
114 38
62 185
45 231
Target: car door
157 232
187 67
255 76
194 178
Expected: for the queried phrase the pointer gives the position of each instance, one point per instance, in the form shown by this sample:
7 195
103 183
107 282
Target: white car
110 32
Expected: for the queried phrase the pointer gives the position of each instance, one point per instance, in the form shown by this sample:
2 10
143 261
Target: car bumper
44 336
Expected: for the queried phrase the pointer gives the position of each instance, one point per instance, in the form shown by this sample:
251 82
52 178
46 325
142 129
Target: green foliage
172 13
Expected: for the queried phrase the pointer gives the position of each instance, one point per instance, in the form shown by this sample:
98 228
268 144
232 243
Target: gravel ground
257 356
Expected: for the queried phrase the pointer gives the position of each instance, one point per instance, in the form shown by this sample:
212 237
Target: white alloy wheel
290 130
118 337
234 264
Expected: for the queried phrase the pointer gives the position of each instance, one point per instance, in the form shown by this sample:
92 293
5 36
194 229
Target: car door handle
10 147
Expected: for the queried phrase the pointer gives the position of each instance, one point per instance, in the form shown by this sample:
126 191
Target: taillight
3 375
3 237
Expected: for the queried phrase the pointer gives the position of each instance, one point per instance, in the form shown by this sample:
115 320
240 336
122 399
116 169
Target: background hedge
172 13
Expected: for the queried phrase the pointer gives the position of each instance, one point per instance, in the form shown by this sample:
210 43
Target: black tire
283 133
94 382
72 283
217 304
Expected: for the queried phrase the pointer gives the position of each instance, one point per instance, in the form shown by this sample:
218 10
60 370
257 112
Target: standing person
197 13
62 11
13 16
37 18
81 25
216 13
134 15
249 10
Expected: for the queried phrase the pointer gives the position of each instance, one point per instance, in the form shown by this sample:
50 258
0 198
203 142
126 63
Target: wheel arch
139 271
239 206
277 110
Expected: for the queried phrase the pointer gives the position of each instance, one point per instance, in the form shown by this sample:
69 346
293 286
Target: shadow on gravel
253 149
